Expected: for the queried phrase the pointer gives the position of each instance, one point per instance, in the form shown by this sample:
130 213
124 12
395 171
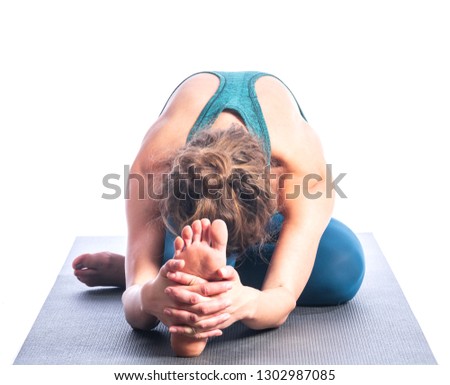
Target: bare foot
203 248
100 269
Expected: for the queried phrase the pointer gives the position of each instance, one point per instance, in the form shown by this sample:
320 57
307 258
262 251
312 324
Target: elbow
290 307
280 322
265 318
134 315
138 322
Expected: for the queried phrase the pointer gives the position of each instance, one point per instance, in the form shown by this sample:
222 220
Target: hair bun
219 174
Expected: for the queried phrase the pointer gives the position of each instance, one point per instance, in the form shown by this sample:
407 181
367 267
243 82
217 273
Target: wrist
248 308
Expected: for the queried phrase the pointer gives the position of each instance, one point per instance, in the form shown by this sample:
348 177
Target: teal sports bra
236 92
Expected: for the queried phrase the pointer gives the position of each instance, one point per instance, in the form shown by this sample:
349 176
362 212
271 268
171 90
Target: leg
338 270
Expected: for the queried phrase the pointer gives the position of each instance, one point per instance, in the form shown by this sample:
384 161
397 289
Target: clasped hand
188 304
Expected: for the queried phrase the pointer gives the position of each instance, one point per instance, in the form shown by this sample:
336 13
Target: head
221 174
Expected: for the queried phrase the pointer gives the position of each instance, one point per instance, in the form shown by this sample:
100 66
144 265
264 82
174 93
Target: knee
347 263
339 268
349 274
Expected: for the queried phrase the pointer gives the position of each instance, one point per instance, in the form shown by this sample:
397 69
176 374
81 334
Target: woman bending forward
232 167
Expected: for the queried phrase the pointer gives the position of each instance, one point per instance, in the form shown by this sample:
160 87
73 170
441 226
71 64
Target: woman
232 165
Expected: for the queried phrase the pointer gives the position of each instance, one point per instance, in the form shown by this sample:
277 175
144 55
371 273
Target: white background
81 82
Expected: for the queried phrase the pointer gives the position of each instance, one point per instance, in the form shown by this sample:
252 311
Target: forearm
268 308
134 313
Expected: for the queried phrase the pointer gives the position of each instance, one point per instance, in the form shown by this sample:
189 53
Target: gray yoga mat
78 325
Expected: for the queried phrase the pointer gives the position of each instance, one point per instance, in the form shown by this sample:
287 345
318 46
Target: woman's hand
157 300
203 306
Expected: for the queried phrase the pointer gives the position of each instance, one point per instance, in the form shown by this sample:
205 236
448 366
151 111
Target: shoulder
169 132
294 143
192 94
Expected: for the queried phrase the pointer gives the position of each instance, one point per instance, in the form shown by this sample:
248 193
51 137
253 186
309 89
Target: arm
290 266
307 213
144 250
145 243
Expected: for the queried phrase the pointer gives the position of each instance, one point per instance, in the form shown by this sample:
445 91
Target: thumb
227 273
171 266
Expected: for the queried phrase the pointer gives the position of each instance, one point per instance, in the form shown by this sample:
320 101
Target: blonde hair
221 174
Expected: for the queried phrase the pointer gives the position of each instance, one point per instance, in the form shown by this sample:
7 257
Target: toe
219 235
186 234
178 245
206 225
197 231
81 261
85 276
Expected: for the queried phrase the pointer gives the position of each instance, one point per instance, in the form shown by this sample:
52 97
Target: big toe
219 235
89 261
81 261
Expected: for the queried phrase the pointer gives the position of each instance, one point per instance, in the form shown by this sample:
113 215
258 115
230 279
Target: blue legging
337 273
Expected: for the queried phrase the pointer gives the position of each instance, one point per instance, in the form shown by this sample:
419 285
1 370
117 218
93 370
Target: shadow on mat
103 292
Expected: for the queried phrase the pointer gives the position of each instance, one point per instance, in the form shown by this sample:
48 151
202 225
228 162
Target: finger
199 293
171 266
188 331
226 273
211 307
202 326
181 317
182 295
209 334
211 323
185 279
205 308
210 289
